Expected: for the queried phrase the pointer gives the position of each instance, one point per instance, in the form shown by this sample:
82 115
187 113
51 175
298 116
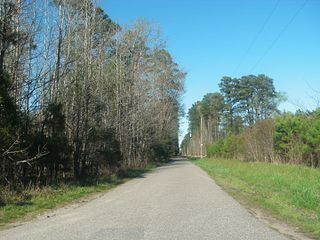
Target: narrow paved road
176 201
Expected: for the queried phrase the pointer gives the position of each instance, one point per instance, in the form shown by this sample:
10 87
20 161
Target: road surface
176 201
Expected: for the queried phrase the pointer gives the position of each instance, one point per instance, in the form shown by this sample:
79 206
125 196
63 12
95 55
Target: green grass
288 192
40 200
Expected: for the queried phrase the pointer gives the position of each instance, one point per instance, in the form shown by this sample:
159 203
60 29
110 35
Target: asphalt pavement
175 201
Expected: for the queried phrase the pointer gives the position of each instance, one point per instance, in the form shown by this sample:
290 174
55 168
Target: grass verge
50 197
288 192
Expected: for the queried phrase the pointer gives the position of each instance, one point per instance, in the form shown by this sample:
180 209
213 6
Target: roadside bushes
297 138
164 149
258 141
289 138
231 146
254 143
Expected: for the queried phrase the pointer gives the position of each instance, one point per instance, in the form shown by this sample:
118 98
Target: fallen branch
38 156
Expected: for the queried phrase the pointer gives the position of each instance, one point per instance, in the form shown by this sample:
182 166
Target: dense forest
80 95
242 121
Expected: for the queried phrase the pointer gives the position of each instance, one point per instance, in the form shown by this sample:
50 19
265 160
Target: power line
256 36
279 35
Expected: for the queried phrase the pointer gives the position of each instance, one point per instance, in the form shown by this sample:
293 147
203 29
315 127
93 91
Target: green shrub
290 138
228 147
297 138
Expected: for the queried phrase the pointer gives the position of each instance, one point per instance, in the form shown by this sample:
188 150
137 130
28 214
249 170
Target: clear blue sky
214 38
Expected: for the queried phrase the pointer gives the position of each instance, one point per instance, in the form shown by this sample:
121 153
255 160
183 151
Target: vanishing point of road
175 201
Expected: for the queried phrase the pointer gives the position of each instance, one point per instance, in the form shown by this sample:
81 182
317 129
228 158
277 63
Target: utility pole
189 145
201 143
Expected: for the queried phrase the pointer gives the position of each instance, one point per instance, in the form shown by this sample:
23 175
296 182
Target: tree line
80 95
240 103
242 121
